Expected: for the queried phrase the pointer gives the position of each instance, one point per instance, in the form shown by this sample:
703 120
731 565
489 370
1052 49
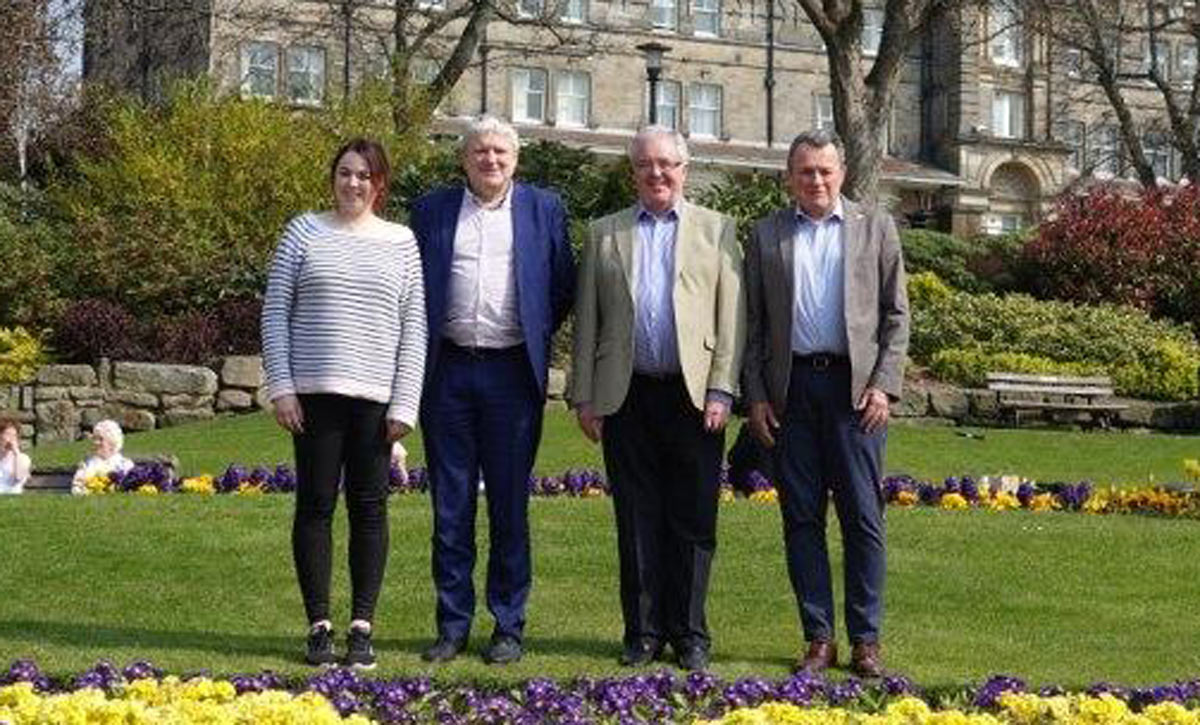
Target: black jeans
342 435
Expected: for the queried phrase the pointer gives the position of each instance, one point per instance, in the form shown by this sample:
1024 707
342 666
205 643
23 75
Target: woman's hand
288 414
396 430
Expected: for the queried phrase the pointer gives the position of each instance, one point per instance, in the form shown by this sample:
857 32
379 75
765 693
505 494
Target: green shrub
1168 372
745 197
970 366
32 237
926 288
943 254
981 264
184 206
590 187
21 354
1146 358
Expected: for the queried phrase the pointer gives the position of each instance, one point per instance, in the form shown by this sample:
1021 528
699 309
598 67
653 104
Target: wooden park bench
1055 394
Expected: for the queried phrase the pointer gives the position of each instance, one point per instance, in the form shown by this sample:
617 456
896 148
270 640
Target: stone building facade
987 125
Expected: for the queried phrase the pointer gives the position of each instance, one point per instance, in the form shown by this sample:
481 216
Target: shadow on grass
591 648
75 634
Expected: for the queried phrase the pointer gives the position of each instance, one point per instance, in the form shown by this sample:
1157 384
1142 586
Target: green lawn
206 582
932 452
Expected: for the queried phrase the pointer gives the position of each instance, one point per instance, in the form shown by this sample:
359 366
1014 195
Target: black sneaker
320 646
359 653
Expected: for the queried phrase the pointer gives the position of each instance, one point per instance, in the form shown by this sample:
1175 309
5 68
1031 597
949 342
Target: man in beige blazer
828 330
659 332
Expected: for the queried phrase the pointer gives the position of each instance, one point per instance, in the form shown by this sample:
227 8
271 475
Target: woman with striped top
343 332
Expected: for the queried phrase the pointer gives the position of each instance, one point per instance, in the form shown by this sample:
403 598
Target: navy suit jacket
545 268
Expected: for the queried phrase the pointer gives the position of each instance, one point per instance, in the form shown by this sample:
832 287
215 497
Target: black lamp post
654 57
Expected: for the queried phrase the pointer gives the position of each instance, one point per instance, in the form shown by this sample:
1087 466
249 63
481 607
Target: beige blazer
709 304
876 304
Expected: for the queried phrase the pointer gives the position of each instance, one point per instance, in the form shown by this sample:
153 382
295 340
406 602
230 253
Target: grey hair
490 125
647 132
110 430
817 139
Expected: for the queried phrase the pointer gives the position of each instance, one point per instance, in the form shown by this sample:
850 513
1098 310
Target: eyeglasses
656 165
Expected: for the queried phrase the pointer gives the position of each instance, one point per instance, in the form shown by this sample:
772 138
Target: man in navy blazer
499 280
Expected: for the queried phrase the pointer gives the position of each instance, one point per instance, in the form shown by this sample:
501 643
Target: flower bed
140 693
1004 493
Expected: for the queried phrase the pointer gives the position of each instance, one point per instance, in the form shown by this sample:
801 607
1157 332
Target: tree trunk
412 109
861 100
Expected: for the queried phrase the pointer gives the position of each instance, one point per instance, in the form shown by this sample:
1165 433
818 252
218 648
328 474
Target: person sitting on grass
107 440
14 465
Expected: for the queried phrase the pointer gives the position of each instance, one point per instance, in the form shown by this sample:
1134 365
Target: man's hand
396 430
288 413
873 406
591 424
763 423
716 414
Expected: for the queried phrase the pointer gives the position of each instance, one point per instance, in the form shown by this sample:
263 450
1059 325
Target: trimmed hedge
962 336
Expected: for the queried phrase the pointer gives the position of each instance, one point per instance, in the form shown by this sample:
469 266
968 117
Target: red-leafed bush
1109 246
90 329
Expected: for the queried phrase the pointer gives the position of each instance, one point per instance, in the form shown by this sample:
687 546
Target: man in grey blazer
659 332
828 329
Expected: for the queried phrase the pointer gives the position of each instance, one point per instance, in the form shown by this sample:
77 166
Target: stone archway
1014 198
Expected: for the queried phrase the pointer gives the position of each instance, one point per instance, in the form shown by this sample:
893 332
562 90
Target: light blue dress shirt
655 346
818 314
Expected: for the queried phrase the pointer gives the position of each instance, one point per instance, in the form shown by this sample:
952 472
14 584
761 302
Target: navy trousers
821 448
482 417
664 469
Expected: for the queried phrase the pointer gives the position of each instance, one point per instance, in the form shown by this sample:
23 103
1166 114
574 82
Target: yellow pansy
953 502
1044 502
198 484
1004 501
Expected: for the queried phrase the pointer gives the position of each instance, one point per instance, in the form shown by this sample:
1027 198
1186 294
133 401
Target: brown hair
6 423
381 172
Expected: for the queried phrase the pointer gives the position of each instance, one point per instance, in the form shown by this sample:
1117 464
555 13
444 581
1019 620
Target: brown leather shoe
865 660
821 655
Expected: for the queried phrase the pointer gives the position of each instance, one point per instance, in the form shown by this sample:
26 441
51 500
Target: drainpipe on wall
483 72
769 77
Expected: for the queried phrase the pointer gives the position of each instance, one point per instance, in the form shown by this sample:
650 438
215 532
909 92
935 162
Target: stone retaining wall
931 399
64 401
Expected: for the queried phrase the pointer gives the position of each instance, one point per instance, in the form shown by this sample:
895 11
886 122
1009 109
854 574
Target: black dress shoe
693 657
444 649
641 652
503 649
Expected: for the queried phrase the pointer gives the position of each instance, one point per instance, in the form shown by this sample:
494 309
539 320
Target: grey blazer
876 304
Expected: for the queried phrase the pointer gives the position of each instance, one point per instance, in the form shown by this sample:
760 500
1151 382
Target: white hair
110 430
647 132
490 125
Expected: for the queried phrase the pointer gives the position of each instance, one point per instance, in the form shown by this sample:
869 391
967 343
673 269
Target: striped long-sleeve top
345 314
